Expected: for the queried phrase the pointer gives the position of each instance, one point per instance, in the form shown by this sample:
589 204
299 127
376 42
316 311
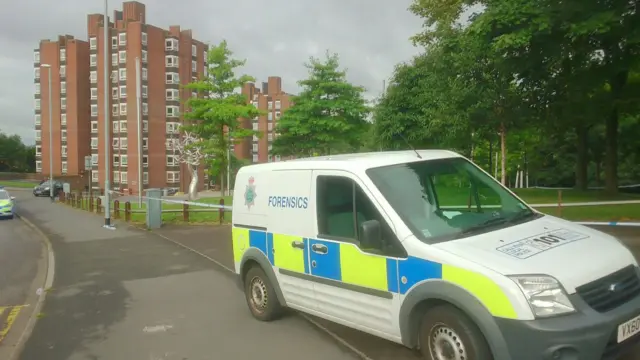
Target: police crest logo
250 194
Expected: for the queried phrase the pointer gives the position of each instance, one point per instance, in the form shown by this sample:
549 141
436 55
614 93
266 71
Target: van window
446 199
342 207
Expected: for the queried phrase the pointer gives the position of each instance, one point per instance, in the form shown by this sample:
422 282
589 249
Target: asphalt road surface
22 270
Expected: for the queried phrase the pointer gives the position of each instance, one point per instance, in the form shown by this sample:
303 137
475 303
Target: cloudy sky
275 37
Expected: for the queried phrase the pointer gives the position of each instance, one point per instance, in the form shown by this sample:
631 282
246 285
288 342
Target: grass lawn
172 213
18 184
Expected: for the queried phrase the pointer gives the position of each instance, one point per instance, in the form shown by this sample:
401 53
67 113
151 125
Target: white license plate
628 329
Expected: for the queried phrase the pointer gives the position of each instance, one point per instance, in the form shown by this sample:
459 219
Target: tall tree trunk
490 157
503 145
582 160
611 155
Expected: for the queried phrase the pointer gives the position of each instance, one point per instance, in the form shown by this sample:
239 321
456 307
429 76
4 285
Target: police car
425 249
7 204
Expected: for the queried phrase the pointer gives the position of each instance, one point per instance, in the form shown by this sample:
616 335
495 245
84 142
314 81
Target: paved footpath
129 294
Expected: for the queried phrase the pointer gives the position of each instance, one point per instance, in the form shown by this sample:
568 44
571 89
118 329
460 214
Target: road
22 271
128 294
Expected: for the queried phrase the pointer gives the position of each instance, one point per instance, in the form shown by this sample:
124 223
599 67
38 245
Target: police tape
589 188
610 223
172 201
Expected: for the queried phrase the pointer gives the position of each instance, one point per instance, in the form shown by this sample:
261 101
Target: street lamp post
107 118
52 188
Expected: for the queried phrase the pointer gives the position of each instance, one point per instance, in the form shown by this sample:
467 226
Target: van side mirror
13 198
370 235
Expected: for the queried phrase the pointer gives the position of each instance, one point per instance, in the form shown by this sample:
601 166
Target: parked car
44 188
7 205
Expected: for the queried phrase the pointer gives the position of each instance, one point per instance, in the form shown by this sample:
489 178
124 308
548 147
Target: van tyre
260 295
448 334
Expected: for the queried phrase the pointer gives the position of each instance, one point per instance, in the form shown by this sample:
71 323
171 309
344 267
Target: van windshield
447 199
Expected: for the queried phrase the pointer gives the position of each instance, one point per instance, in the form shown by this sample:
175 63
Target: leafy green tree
214 115
327 117
15 156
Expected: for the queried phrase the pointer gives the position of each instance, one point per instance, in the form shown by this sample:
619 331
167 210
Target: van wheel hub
259 296
446 344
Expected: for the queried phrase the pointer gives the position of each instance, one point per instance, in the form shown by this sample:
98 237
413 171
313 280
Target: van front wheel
260 295
448 334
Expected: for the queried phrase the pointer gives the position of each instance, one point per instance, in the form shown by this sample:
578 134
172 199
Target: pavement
129 294
22 271
169 294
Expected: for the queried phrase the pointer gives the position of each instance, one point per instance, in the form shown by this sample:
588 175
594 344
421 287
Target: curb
48 282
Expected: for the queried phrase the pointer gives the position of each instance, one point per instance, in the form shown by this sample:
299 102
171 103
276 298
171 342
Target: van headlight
545 295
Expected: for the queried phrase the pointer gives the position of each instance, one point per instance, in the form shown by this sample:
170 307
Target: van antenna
409 145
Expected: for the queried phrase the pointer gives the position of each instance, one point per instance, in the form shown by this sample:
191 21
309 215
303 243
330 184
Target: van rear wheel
260 295
448 334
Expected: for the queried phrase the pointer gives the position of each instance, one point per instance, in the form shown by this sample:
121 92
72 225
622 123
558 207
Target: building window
114 42
36 56
94 176
255 158
114 93
63 103
124 160
123 177
255 126
143 38
94 142
278 115
144 56
123 125
144 74
194 50
114 76
93 43
38 150
278 104
145 160
270 126
39 166
115 127
93 77
123 91
64 150
205 56
171 160
173 94
172 78
38 135
255 148
63 70
37 104
171 44
37 88
173 176
171 61
94 93
94 110
115 143
194 66
123 143
173 111
122 56
63 55
270 116
123 109
38 119
63 135
122 74
145 143
116 176
145 109
173 127
94 157
93 60
114 107
144 91
63 87
270 105
36 73
114 59
63 119
145 177
122 39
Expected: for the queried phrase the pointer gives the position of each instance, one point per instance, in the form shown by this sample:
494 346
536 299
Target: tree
15 156
328 117
214 115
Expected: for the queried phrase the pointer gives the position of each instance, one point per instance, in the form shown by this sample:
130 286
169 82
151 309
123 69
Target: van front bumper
585 335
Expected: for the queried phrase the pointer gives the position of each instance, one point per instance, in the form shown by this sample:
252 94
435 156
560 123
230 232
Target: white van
425 249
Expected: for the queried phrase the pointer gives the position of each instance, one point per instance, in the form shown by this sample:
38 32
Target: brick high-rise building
169 58
68 61
274 102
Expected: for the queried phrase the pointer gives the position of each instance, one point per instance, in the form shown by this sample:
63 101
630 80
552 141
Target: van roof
362 161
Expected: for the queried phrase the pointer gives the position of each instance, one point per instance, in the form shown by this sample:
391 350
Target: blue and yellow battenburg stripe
344 262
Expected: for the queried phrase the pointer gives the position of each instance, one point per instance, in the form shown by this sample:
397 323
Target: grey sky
275 37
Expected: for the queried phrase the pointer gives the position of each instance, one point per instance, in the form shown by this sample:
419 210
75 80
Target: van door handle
319 249
297 244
